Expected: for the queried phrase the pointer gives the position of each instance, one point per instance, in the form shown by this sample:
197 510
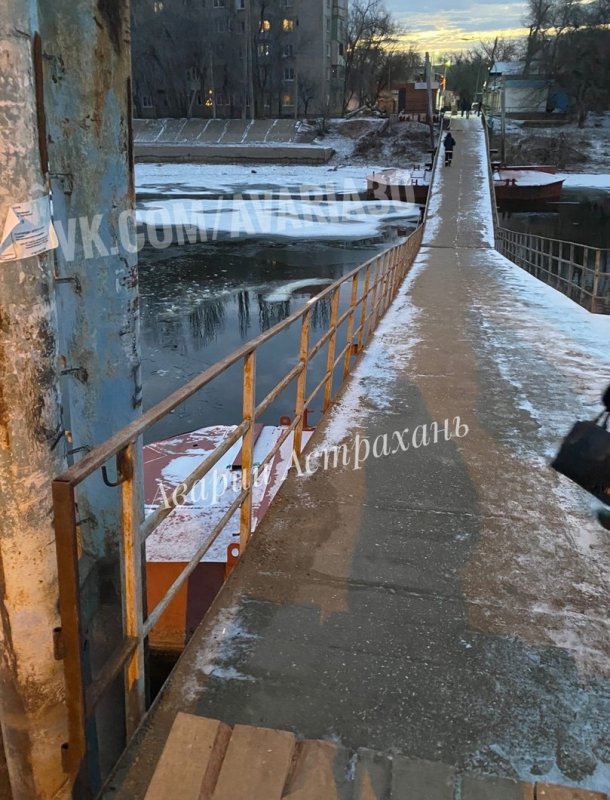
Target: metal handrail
490 175
372 287
527 250
551 239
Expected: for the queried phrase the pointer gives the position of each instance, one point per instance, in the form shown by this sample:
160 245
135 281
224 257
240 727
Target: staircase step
206 759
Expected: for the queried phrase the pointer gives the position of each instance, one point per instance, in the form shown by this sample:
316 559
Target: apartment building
239 58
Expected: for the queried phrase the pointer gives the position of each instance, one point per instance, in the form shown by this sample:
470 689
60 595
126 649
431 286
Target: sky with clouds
449 25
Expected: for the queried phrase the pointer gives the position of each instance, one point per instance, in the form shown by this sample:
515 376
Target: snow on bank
213 220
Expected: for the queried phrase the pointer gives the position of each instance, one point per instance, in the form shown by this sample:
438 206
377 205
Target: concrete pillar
32 710
87 71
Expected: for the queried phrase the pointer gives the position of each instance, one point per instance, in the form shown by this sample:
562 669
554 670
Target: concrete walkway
447 602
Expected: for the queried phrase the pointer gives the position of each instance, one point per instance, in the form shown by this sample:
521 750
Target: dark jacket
449 142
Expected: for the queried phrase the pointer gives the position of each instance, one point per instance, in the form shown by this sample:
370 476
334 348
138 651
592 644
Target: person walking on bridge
449 144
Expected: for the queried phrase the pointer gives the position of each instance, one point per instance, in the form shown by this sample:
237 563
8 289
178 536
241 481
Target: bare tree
498 49
571 41
371 30
308 90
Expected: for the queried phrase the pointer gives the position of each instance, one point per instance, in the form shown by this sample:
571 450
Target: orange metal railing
366 292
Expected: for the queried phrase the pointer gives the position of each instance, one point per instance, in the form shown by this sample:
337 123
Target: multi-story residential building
239 58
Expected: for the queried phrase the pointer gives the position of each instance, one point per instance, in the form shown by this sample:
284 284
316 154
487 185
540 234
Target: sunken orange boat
526 186
406 185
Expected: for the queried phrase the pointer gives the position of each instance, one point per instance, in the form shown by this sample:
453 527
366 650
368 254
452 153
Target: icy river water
230 251
201 302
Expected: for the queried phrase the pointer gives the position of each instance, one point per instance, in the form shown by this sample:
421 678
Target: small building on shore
413 97
526 89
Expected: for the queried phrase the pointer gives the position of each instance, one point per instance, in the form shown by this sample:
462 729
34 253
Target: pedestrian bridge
423 611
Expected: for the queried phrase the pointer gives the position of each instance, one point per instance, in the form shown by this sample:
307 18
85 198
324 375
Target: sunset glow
440 41
456 25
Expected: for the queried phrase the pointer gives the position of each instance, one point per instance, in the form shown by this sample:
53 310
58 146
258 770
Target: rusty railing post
132 587
302 382
350 327
332 347
247 458
66 543
364 309
378 292
596 277
369 319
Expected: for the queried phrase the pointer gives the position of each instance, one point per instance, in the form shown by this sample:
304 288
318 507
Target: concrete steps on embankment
225 140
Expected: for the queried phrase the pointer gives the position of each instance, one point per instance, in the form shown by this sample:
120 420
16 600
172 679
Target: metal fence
366 292
580 272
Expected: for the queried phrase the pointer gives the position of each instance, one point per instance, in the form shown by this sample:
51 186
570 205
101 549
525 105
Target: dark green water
200 302
583 217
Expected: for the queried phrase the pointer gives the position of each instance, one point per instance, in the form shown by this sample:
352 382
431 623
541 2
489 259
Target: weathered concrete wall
204 154
88 109
32 710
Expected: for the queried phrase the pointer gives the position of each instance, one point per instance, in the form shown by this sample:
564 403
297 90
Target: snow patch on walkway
223 642
484 203
371 386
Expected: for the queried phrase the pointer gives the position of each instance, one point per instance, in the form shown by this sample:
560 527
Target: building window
147 101
220 25
264 50
158 6
288 51
240 4
287 100
242 26
265 26
288 73
219 3
288 25
288 3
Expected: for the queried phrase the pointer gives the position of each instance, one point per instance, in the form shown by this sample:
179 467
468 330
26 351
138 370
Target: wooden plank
192 754
320 773
256 765
545 791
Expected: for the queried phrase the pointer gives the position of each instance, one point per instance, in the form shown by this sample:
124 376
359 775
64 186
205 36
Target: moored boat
526 185
170 548
405 185
548 168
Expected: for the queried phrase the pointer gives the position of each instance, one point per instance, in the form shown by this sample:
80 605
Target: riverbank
336 142
569 148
